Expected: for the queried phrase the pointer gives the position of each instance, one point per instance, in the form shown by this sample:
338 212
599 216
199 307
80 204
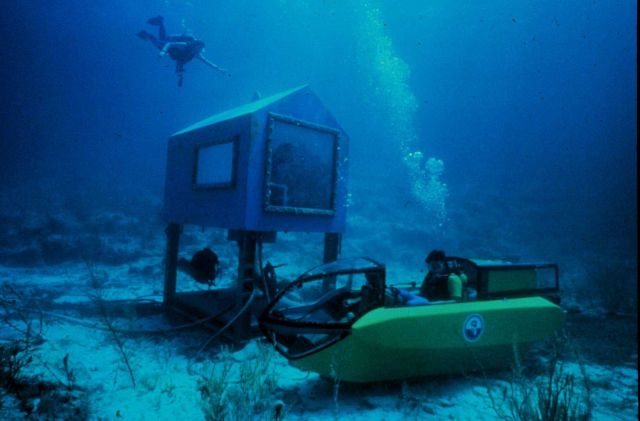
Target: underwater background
487 129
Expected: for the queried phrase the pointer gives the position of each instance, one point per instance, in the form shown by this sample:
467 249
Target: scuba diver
181 48
203 267
442 282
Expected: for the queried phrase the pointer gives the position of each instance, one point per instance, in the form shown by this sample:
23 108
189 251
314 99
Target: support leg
171 262
246 276
332 245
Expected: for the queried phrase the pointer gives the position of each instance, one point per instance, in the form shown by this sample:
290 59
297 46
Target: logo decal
473 327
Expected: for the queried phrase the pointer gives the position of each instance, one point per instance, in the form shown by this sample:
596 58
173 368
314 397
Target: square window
301 167
215 165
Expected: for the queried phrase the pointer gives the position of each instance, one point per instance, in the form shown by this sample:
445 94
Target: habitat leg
246 276
171 262
332 245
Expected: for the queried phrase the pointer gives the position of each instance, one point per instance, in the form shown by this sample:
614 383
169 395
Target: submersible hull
338 320
400 343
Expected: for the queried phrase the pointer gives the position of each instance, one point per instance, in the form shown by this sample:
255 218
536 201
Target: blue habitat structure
275 164
278 163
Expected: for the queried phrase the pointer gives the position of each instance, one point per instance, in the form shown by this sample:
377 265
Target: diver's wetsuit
443 285
181 48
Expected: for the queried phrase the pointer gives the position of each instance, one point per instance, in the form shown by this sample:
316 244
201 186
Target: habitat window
301 167
215 165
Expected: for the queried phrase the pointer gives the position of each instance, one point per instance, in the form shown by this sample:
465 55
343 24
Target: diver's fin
144 35
155 21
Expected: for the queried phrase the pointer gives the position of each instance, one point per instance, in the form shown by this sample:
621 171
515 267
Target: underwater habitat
318 210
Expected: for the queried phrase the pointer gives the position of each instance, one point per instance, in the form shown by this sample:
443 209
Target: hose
229 323
94 326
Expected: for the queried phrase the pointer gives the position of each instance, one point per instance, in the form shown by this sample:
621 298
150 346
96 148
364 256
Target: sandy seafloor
47 277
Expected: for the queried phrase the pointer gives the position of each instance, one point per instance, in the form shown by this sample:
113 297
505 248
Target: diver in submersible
442 282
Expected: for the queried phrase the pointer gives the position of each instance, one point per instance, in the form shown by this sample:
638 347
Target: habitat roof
239 111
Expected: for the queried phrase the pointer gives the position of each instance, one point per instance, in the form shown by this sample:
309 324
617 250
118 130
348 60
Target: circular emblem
473 327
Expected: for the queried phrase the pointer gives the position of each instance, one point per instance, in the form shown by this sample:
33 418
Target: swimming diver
181 48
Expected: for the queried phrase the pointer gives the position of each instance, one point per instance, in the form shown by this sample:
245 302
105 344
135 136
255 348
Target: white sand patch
169 379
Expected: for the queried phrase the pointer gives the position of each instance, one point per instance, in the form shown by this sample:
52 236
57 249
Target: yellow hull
403 342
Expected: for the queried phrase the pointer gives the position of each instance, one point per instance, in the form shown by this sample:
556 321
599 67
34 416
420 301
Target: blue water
487 129
534 103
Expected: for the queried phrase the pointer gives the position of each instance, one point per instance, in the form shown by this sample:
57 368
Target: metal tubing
246 275
171 262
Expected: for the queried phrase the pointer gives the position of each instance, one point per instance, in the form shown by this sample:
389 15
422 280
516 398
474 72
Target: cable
229 323
129 331
173 329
